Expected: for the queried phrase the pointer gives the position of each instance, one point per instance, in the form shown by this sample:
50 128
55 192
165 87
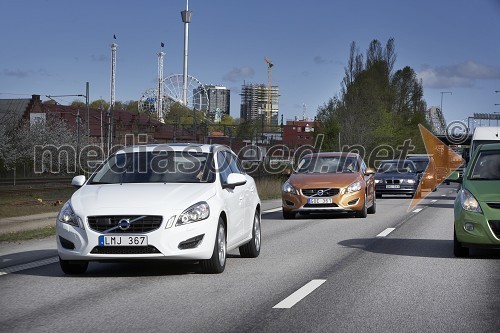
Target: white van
483 135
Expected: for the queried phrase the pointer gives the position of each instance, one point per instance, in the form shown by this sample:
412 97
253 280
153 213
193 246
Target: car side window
233 163
223 166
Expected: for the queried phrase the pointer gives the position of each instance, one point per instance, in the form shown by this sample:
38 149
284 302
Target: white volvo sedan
175 201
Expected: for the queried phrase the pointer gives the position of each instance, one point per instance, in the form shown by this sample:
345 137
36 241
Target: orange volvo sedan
330 182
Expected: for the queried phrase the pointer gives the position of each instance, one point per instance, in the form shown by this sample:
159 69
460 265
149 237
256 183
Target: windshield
155 167
396 166
421 165
487 166
328 164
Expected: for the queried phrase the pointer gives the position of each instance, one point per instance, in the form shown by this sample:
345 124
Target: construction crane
268 107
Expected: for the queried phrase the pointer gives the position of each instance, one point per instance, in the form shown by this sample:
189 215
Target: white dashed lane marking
297 296
386 232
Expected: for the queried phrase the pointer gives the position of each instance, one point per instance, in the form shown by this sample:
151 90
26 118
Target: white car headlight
195 213
409 181
288 188
68 216
378 181
468 202
354 187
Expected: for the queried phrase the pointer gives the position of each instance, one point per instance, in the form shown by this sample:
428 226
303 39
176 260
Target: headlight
379 181
288 188
68 216
195 213
354 187
468 202
409 181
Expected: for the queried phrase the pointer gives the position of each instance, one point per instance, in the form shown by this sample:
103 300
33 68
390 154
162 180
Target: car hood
323 180
153 198
484 190
398 175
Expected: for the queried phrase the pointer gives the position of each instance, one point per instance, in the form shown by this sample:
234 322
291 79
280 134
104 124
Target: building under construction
260 103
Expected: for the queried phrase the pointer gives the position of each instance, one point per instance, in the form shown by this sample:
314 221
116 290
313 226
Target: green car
477 205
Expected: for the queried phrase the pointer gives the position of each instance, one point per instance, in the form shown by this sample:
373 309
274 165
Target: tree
376 106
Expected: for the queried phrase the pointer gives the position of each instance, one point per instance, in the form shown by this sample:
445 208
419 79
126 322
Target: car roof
333 154
397 161
188 147
490 146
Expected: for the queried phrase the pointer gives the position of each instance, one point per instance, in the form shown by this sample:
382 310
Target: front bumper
405 189
74 243
342 202
486 227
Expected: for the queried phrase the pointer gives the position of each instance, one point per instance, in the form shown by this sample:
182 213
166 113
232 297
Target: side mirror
454 177
235 179
369 171
78 181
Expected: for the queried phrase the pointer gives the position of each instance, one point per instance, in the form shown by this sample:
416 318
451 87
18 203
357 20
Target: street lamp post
442 93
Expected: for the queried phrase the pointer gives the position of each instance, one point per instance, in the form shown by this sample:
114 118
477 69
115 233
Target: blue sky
53 47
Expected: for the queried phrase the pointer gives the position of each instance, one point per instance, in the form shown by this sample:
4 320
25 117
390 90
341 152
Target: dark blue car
396 177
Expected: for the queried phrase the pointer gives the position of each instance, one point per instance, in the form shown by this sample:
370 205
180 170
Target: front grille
105 223
332 205
326 192
495 227
125 250
392 181
495 205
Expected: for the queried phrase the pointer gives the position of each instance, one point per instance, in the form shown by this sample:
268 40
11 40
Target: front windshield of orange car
328 164
487 166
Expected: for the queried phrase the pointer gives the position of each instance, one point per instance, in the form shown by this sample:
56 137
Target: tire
363 212
458 250
217 263
373 208
288 215
73 267
252 248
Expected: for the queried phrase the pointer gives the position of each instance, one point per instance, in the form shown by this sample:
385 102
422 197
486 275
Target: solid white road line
17 268
417 210
386 232
299 294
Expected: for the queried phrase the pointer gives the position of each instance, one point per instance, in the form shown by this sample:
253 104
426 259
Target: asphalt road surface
391 272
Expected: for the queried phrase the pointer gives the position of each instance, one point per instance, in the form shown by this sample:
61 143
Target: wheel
373 208
458 250
288 215
217 263
363 212
73 267
252 248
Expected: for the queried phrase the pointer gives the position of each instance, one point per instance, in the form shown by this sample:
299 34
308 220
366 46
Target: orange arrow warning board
445 161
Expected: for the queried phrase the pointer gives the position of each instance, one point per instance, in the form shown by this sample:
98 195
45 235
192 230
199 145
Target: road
315 274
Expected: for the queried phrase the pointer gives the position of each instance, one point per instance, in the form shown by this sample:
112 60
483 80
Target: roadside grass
269 187
24 200
28 234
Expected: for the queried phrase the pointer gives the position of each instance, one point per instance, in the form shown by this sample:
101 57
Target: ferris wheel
196 94
148 103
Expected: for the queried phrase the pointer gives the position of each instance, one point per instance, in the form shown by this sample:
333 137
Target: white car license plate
123 240
319 200
391 186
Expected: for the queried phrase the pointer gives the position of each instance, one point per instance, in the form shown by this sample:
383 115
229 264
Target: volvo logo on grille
320 193
124 224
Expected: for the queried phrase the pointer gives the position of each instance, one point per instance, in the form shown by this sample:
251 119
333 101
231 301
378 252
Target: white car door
234 199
